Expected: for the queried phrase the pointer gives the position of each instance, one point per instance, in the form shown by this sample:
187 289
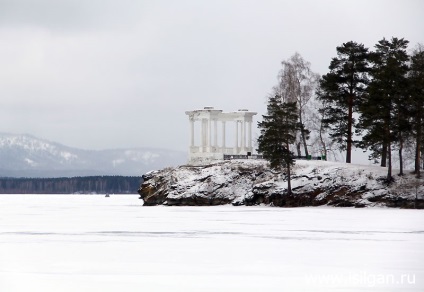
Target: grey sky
104 74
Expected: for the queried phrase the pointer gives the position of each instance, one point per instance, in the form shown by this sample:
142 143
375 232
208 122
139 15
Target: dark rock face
153 192
216 184
253 183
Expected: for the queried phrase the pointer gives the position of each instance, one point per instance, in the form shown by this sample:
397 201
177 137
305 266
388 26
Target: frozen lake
93 243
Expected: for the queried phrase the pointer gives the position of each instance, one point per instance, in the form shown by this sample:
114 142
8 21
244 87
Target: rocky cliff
250 182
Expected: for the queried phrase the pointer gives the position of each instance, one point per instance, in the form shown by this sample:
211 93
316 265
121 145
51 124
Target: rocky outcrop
251 182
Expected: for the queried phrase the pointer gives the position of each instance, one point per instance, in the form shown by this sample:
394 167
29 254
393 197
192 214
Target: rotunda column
191 131
223 136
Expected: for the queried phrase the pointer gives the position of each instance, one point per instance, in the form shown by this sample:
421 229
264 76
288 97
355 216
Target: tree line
369 99
71 185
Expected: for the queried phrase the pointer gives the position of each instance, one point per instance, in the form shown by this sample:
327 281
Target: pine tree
342 89
384 114
416 92
278 130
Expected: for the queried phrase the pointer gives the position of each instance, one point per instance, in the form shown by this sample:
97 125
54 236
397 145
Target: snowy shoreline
251 182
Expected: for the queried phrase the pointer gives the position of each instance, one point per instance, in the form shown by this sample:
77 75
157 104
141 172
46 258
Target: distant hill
29 156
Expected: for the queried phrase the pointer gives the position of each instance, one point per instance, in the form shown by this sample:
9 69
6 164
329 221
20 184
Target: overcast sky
103 74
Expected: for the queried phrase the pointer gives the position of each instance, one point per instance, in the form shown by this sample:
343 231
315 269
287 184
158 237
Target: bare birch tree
296 83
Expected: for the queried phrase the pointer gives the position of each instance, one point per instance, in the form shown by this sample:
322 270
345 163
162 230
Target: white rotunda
212 144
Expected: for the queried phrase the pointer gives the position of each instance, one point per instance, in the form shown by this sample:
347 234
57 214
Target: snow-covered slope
251 182
28 156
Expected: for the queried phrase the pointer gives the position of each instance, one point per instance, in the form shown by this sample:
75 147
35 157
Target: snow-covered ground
252 182
93 243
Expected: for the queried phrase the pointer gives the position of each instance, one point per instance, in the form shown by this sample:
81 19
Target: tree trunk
388 149
289 191
384 155
324 147
400 155
349 131
417 169
299 153
304 144
421 158
389 168
302 133
418 147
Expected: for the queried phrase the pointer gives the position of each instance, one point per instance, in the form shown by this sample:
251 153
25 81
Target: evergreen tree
342 89
416 92
384 114
278 130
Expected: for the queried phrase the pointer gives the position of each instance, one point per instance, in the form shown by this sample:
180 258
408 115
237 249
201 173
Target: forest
71 185
372 99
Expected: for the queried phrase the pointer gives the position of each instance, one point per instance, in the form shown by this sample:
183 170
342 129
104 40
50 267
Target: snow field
93 243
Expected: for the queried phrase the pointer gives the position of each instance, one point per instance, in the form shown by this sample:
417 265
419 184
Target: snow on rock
252 182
